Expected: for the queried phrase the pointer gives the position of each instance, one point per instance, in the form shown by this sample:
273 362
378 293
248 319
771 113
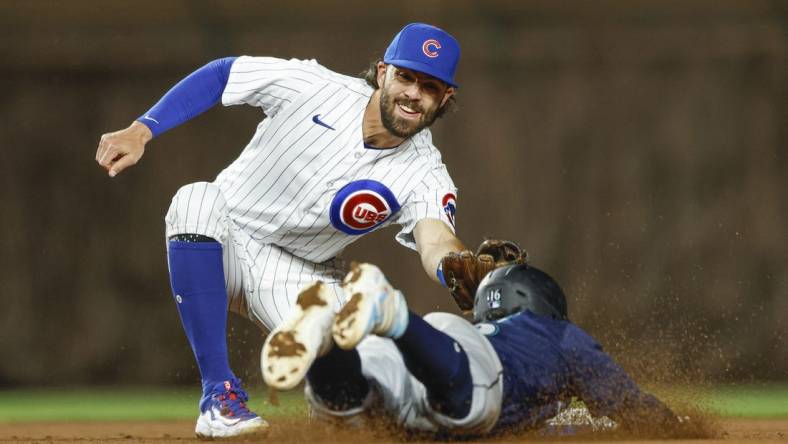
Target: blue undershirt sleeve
191 97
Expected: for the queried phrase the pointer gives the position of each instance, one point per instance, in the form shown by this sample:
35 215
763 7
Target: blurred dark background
637 149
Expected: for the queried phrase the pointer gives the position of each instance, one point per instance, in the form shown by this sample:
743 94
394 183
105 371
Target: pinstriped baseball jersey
306 182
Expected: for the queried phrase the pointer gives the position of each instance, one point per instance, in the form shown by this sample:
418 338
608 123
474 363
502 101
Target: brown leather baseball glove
503 252
464 270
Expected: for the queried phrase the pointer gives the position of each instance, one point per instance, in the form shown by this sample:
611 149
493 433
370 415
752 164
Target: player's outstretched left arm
434 240
447 261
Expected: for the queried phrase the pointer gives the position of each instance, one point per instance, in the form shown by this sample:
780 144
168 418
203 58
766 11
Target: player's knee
197 208
442 321
197 192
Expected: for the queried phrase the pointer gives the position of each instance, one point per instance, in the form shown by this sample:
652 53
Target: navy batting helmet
515 288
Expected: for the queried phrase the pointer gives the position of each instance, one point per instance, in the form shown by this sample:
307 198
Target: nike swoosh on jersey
150 118
316 119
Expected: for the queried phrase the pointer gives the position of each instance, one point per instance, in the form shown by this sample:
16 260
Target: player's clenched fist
121 149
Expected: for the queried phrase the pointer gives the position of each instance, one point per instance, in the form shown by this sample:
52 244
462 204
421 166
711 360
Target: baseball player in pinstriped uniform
336 157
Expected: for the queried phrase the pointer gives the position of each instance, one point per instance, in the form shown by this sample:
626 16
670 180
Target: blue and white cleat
374 307
303 335
224 413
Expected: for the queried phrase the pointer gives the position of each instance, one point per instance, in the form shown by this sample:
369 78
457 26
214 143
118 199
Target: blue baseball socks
197 279
439 362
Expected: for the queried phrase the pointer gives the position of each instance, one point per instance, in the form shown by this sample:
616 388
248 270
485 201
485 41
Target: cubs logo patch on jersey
360 206
449 204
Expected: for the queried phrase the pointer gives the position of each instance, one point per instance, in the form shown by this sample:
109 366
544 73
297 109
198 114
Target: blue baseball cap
426 49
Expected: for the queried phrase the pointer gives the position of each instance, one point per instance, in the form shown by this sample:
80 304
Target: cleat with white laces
224 413
374 307
305 334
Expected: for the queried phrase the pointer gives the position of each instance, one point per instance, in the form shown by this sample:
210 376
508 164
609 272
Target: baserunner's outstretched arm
607 390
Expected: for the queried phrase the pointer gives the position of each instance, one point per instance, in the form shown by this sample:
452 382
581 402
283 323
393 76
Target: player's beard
401 127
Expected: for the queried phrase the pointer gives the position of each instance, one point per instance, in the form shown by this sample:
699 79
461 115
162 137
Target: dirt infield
292 431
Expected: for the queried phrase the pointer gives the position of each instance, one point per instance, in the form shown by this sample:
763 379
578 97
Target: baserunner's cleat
304 335
224 414
374 307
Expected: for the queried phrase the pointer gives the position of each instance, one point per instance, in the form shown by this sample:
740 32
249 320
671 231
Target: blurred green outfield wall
637 149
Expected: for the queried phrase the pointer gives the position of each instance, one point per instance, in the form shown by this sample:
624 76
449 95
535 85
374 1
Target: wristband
439 273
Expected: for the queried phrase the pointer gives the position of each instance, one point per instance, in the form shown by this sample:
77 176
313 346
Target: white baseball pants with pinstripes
264 289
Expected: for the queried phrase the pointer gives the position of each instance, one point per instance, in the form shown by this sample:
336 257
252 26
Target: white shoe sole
353 321
221 428
292 347
366 285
